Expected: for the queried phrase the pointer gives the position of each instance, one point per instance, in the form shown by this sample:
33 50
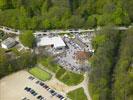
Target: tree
46 23
120 16
33 23
123 73
102 62
91 21
27 39
3 63
128 7
76 21
19 61
16 3
46 6
5 4
33 14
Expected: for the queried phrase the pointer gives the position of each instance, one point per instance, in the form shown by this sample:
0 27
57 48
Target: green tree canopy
27 39
32 14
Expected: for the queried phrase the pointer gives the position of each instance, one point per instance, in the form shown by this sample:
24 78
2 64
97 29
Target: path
55 83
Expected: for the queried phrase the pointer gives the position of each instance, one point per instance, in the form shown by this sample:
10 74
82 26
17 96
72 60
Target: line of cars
34 93
51 91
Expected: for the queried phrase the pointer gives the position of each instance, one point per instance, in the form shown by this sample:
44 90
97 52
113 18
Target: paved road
10 30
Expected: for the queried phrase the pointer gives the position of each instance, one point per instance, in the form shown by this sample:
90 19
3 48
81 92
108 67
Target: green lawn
40 74
69 78
77 94
49 64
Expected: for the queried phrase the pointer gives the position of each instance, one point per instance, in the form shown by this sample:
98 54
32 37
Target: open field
77 94
40 74
69 78
49 64
12 87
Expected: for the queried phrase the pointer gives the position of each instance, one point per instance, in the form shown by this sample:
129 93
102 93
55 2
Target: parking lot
68 60
23 86
87 39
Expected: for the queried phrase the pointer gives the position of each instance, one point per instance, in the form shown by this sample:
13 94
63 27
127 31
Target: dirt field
12 87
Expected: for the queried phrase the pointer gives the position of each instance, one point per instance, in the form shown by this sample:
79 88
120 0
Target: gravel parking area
22 85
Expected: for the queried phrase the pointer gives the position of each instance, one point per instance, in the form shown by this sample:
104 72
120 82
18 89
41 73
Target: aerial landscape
66 49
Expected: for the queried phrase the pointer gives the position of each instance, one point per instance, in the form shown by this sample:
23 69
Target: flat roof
55 41
8 41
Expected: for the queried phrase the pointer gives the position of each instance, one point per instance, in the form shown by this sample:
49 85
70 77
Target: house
55 42
8 43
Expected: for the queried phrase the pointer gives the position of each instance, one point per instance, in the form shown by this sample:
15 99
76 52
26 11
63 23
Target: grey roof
8 41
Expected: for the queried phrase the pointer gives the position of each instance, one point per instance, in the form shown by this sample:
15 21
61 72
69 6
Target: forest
111 75
64 14
15 61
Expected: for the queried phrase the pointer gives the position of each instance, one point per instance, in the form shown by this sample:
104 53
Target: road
9 30
14 31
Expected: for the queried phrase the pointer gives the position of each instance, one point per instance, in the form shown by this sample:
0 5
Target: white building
8 43
55 42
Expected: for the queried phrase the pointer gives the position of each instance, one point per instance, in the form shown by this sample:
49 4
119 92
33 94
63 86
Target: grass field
69 78
77 94
40 74
49 64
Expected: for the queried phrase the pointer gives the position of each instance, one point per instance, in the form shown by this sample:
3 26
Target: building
55 42
8 43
